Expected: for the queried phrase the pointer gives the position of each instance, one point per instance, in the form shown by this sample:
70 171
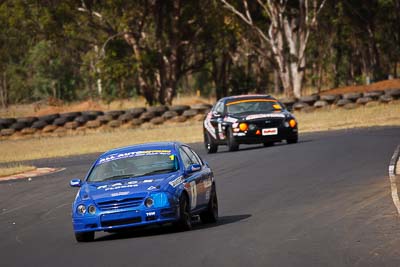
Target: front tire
209 144
184 223
293 140
84 237
232 144
211 214
267 144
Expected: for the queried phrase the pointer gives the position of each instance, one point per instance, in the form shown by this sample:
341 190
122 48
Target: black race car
248 119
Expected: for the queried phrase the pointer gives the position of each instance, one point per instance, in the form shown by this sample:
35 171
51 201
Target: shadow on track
169 229
244 147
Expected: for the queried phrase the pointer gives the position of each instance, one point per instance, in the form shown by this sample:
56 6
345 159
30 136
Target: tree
284 26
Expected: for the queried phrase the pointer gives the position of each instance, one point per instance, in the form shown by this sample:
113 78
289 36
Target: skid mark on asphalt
393 174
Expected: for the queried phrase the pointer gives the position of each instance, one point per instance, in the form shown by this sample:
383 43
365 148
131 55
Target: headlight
252 127
92 209
81 209
149 202
160 200
292 123
243 126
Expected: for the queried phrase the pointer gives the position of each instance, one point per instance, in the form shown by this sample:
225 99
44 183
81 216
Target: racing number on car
193 192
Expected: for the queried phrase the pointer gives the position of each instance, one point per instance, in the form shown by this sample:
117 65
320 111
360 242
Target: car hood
120 189
255 116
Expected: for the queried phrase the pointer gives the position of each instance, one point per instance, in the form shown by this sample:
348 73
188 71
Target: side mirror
193 168
216 114
75 183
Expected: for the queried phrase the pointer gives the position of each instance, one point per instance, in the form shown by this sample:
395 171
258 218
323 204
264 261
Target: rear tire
232 144
267 144
184 223
84 237
211 214
209 144
292 140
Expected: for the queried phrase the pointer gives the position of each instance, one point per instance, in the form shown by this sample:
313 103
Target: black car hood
254 116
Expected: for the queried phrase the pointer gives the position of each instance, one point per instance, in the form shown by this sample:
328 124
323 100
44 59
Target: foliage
117 49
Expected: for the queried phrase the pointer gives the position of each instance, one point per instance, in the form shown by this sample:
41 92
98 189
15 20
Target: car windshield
133 166
253 106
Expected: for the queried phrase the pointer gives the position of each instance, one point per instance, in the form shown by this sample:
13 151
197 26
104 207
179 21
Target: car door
192 179
217 115
203 182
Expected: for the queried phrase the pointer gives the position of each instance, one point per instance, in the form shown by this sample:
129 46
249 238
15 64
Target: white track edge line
393 178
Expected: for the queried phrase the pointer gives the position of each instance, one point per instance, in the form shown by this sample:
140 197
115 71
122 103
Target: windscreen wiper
158 171
118 177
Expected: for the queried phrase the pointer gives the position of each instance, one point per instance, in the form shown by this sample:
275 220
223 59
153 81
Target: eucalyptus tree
284 27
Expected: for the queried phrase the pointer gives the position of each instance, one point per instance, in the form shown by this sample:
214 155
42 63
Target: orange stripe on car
251 100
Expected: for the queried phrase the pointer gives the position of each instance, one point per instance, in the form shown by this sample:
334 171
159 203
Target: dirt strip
28 175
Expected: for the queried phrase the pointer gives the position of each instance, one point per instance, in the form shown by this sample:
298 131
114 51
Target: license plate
270 131
118 215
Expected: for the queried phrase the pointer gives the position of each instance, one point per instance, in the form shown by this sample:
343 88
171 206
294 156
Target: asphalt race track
325 201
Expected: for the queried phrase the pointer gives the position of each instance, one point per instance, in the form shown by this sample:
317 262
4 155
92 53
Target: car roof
145 146
241 97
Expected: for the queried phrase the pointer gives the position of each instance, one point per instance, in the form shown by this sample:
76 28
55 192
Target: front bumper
123 218
250 136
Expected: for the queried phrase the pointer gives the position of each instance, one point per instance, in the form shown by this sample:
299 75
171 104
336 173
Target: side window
219 107
192 156
185 158
197 156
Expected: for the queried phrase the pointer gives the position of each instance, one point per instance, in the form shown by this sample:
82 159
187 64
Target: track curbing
393 175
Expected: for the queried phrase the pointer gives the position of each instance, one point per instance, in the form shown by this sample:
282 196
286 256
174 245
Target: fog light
243 126
81 209
292 123
92 209
149 202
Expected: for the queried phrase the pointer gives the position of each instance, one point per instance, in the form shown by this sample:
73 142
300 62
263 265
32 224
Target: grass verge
321 120
19 168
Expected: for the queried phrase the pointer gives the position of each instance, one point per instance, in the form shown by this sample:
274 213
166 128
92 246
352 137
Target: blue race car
142 185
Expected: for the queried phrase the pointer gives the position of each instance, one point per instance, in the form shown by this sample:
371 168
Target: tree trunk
146 90
4 91
277 83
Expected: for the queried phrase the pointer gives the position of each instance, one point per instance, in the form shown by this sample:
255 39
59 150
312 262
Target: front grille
120 204
267 123
121 222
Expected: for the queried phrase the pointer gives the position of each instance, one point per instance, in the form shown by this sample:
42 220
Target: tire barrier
60 121
157 121
7 122
132 118
27 120
373 94
157 110
49 118
114 124
167 115
39 124
28 131
136 112
115 113
330 98
352 96
179 109
93 124
310 100
124 118
147 116
18 126
321 104
190 113
71 125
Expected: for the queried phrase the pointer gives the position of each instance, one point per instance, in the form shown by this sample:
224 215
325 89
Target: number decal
193 191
